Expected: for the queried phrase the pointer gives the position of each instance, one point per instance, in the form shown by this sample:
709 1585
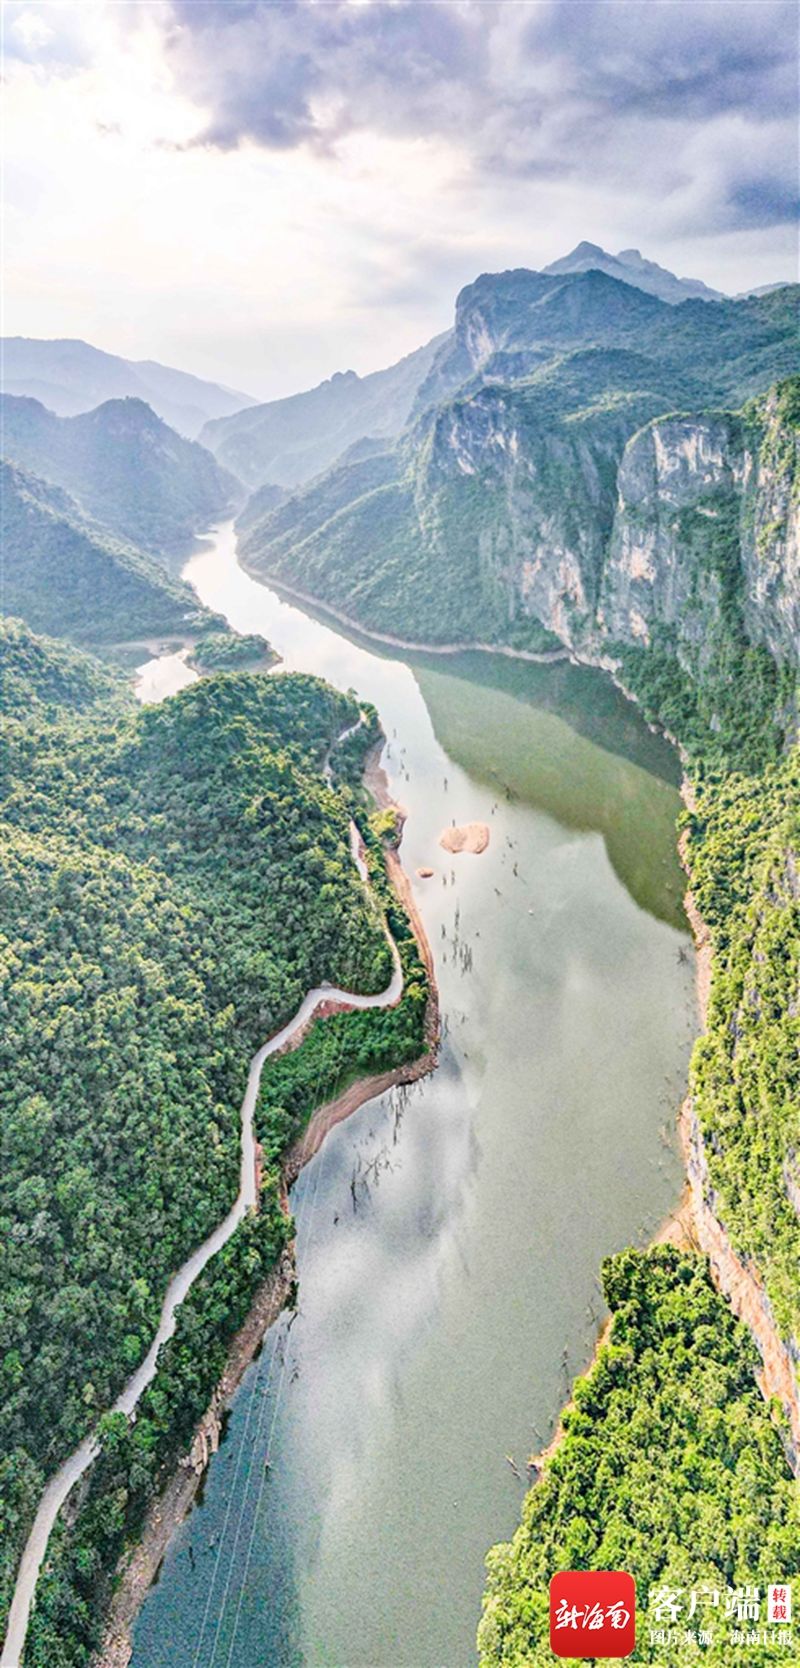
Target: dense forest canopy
669 1466
175 878
69 577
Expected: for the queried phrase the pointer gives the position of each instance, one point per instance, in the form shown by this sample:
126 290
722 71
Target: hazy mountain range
126 468
289 441
69 577
381 494
284 441
632 268
72 376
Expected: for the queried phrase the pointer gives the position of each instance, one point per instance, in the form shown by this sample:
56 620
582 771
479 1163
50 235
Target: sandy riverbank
140 1566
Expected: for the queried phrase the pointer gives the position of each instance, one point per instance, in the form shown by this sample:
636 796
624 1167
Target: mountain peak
632 267
581 251
70 377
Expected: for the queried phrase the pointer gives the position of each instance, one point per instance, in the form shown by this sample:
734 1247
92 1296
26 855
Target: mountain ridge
126 467
495 478
633 268
287 442
67 577
71 376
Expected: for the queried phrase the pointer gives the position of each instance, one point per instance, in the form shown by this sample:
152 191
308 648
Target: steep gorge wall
526 510
737 1273
679 484
771 528
707 518
703 563
566 502
608 538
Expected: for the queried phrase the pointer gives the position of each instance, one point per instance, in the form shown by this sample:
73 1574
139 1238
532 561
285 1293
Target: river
450 1236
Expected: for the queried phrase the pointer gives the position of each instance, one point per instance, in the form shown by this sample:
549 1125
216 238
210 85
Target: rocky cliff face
550 494
685 530
561 502
771 529
707 518
679 476
513 321
695 518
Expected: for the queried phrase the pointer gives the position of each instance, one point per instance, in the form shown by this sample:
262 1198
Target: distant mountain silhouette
70 376
125 467
632 268
287 442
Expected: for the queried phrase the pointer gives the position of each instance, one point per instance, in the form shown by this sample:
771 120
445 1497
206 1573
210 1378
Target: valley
581 501
464 1238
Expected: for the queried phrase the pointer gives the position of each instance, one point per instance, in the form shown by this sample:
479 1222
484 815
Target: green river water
450 1236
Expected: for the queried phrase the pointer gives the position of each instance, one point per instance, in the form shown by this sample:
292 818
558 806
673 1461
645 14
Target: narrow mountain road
68 1474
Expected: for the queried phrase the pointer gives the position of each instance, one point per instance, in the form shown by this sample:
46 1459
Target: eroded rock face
611 539
537 502
771 538
740 1282
706 510
672 473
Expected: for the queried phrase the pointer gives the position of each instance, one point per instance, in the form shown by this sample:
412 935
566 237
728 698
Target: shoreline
682 1226
687 1225
692 1225
139 1567
544 657
734 1277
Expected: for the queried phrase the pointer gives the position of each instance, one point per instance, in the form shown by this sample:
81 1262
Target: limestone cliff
518 512
679 481
681 532
708 518
564 502
771 529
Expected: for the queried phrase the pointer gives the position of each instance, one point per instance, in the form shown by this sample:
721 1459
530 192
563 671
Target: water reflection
449 1242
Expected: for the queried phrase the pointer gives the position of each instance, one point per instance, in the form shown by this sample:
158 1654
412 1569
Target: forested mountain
508 325
40 675
286 442
453 534
589 461
669 1465
125 467
632 268
175 878
67 576
70 376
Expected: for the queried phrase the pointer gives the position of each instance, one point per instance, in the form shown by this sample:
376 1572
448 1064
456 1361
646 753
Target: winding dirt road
68 1474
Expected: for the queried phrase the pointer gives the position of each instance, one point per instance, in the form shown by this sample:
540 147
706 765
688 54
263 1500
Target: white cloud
267 194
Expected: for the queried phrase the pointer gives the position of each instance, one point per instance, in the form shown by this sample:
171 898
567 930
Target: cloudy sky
264 193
